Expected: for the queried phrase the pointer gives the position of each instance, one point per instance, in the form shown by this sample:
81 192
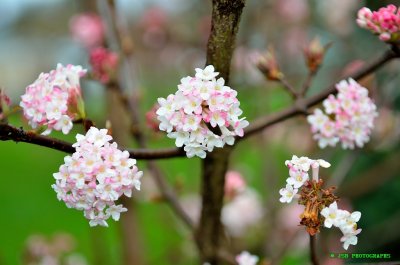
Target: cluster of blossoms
385 22
245 258
349 117
54 99
320 203
104 64
298 175
95 176
202 114
345 221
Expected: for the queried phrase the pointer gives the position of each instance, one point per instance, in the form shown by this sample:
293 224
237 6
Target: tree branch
302 105
11 133
209 235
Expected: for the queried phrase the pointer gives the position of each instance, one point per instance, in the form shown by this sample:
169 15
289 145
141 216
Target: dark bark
209 235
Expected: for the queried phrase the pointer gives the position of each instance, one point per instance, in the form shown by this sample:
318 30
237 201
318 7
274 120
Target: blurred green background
170 39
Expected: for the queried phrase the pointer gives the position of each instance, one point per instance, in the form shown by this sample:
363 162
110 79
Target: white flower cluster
52 100
353 115
200 104
96 176
298 175
345 221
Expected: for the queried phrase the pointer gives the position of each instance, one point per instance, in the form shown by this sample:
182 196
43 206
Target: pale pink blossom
287 193
54 100
88 29
104 64
345 221
234 183
385 22
201 104
242 213
245 258
352 114
94 177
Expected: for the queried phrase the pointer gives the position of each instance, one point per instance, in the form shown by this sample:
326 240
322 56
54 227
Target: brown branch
209 235
11 133
8 132
169 195
313 251
307 83
289 88
302 105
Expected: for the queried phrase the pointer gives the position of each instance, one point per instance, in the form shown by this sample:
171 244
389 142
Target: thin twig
289 88
313 251
307 83
266 121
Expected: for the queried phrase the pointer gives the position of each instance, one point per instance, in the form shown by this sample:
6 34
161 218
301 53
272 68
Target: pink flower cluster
54 98
345 221
353 115
88 29
385 22
234 184
96 176
298 175
202 114
104 64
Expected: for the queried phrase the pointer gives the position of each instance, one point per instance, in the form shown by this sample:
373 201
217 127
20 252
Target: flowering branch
9 132
302 105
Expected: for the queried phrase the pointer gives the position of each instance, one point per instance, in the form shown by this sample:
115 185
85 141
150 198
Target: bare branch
8 132
289 88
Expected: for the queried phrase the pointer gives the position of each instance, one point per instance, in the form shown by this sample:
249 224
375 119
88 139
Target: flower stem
313 252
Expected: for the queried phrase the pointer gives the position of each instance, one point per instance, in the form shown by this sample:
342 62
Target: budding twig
264 122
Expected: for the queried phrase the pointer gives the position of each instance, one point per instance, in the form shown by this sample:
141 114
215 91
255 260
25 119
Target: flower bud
314 54
268 65
104 64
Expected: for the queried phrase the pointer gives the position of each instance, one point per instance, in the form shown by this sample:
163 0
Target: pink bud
88 29
234 183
